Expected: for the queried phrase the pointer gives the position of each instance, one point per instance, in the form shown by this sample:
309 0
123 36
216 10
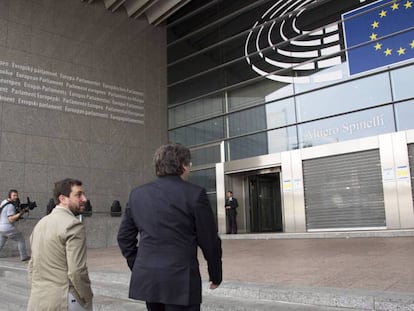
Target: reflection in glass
280 113
206 155
262 143
351 126
402 83
194 111
354 95
247 121
190 89
212 197
207 27
194 65
247 146
324 77
204 178
283 139
276 114
405 115
257 93
198 133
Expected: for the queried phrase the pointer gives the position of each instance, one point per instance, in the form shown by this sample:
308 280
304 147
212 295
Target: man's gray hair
169 159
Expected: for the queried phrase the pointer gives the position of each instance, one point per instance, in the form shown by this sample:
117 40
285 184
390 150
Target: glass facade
271 76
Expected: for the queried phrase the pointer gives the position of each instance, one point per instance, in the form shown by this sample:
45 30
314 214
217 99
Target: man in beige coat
57 270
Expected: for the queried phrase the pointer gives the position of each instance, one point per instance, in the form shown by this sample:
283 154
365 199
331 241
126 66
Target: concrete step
104 303
15 286
111 288
321 297
11 300
216 303
16 275
110 284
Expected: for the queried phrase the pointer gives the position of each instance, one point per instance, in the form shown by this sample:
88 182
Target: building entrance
265 203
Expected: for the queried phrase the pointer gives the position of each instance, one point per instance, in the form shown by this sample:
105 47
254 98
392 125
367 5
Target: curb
326 297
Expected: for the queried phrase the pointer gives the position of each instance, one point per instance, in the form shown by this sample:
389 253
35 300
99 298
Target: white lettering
96 114
74 110
90 82
95 106
120 104
120 96
31 86
6 72
97 92
75 102
27 102
23 93
7 99
26 77
52 82
118 118
129 112
352 128
45 72
76 87
66 77
98 99
77 95
48 97
54 91
49 106
10 82
22 67
36 87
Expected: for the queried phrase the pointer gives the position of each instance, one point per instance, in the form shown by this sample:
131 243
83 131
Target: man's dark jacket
172 217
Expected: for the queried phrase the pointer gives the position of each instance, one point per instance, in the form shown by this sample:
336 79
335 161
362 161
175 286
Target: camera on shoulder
25 206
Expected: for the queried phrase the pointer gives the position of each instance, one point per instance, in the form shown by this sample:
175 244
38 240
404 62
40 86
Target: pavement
365 263
290 272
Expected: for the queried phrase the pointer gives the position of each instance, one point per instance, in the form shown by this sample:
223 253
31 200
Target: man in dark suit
231 213
172 218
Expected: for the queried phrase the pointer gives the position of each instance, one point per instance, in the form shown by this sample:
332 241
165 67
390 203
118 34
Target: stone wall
82 95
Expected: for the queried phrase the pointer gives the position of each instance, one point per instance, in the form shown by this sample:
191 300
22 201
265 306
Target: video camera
25 206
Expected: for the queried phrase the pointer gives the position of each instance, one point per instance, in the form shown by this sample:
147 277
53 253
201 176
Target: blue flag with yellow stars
379 34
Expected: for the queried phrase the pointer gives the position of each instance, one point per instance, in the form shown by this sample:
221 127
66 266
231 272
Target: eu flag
379 34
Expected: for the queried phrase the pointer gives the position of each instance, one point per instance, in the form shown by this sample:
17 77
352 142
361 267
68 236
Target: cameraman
7 228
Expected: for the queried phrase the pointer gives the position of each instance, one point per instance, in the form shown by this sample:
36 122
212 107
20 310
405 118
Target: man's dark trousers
231 220
154 306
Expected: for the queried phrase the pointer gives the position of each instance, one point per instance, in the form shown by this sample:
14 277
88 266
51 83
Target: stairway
111 290
15 292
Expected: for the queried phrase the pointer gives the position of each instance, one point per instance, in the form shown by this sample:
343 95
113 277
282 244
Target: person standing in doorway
58 272
8 218
231 213
172 218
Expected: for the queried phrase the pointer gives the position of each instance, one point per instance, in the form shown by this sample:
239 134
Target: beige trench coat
58 262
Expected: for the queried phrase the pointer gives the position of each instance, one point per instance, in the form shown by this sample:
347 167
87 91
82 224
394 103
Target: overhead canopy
156 11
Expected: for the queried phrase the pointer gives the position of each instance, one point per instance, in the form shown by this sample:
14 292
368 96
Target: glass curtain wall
271 76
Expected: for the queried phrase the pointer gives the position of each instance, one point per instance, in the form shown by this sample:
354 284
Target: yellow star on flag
394 6
412 44
383 13
373 36
378 46
408 4
375 24
388 52
401 51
